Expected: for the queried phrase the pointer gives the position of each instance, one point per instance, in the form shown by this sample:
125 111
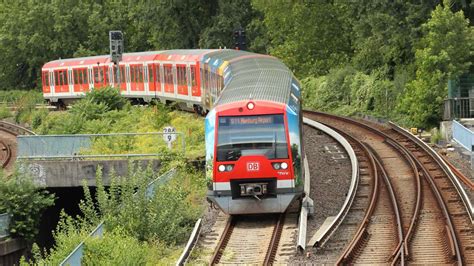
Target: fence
463 135
462 107
95 145
75 257
4 225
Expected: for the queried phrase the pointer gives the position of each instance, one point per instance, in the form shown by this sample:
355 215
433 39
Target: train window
181 75
251 135
45 79
106 75
140 74
157 73
193 76
168 74
122 74
151 74
101 75
75 76
132 73
56 77
84 77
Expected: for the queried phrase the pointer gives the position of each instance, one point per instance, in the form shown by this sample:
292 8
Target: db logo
253 166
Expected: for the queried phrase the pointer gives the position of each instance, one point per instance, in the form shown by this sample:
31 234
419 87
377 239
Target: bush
24 201
139 230
4 111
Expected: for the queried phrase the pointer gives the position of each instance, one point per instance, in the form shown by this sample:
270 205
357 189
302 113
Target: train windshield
251 135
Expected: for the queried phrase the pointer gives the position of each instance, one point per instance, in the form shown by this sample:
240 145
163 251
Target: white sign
169 134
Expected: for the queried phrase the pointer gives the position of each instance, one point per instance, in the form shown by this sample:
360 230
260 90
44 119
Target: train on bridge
254 150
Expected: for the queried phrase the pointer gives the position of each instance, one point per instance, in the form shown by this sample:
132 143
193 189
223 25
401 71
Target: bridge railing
79 146
4 225
75 257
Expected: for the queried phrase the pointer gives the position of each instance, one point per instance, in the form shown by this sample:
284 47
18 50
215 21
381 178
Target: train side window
151 74
106 75
168 75
157 73
56 78
140 74
84 76
122 74
193 76
45 79
181 78
101 75
75 75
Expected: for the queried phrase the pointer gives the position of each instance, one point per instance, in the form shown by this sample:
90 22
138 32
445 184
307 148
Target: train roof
167 55
255 77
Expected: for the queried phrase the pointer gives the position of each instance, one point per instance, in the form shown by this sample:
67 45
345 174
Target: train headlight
221 168
229 167
276 166
250 106
284 166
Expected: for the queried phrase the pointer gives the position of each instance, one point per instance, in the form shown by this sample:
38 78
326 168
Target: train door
182 80
169 81
51 82
99 76
60 81
151 78
82 84
45 81
136 78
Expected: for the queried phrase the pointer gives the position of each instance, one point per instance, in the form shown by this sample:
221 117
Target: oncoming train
254 151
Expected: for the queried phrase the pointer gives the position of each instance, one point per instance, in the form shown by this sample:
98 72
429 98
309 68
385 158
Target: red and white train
253 125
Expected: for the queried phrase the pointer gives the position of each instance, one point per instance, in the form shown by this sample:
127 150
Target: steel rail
410 232
8 154
447 171
362 230
453 238
221 245
398 253
276 236
322 237
7 126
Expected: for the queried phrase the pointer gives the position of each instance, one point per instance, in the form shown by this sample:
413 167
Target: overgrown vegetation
140 228
24 201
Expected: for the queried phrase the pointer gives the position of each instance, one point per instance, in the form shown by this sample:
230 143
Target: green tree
310 37
445 51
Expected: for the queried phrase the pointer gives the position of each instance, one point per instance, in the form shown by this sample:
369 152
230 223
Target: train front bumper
231 206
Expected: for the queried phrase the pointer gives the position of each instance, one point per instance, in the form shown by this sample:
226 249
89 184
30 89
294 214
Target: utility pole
116 50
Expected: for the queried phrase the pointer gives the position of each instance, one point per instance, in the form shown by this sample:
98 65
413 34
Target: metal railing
462 107
79 146
75 257
4 225
463 135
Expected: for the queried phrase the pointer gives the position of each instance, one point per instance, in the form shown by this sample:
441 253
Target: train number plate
253 166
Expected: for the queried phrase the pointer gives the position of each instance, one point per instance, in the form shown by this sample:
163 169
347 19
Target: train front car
253 139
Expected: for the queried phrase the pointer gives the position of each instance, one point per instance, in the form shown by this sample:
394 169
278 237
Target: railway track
8 134
433 223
